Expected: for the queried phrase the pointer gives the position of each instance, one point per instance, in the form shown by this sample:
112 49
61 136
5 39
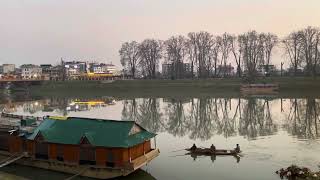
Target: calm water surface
272 133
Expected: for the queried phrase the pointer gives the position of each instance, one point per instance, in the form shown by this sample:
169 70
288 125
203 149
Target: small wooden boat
259 88
210 152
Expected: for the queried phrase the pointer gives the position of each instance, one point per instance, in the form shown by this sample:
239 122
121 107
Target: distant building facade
75 68
30 71
225 71
8 68
110 68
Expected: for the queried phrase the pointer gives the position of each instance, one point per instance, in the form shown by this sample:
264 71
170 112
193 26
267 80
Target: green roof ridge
100 132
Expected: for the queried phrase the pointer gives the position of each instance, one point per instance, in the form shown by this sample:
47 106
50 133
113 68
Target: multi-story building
75 68
110 68
30 71
97 68
46 68
8 68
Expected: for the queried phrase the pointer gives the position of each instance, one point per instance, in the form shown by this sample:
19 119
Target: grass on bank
189 87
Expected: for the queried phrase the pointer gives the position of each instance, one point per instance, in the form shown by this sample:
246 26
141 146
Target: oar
179 150
179 155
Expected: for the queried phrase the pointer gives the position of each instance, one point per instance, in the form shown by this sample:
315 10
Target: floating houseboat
259 88
96 148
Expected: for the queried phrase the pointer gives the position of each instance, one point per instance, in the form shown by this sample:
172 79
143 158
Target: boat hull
208 152
257 89
84 170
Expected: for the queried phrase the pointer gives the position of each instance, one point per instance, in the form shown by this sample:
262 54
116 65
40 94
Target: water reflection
256 120
303 119
212 158
197 118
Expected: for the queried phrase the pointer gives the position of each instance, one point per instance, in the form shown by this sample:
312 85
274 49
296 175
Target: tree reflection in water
175 112
303 119
145 112
256 120
202 118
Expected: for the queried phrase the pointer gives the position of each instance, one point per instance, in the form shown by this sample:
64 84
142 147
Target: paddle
178 150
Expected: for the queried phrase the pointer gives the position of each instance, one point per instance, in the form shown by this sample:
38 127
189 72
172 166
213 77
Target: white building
30 71
101 68
8 68
110 68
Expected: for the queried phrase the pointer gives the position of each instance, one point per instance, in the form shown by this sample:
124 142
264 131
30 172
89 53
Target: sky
44 31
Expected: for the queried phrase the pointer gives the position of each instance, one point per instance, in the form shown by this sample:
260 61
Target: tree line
209 55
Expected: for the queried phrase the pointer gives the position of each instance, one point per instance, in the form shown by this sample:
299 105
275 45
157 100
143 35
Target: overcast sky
43 31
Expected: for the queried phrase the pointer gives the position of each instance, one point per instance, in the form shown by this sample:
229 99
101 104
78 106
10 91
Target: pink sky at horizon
37 32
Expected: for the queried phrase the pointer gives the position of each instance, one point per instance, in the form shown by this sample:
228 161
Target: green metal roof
99 132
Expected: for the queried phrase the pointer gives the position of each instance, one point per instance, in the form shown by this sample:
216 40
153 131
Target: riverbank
289 87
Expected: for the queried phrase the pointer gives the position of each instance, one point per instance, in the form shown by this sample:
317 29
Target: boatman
237 149
213 148
194 147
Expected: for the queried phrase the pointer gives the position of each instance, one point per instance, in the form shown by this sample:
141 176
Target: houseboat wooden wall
30 147
71 154
4 141
136 151
15 144
101 156
52 151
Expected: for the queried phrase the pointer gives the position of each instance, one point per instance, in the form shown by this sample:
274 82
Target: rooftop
98 132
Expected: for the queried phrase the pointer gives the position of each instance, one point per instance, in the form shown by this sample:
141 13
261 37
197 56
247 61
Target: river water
272 133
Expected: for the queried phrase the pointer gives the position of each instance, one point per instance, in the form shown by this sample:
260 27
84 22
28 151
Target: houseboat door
87 153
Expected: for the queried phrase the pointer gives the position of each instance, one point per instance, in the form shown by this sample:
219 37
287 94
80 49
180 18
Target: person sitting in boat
213 148
237 149
194 147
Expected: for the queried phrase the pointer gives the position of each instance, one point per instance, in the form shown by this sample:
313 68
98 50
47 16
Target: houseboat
259 88
96 148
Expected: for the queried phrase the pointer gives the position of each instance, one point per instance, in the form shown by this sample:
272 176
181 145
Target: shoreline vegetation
226 87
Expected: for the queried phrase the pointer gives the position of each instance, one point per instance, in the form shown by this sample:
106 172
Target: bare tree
237 51
269 42
201 44
176 51
252 52
150 51
192 50
214 55
129 57
226 47
293 50
310 38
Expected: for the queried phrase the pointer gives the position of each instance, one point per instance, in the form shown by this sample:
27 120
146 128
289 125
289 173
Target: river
272 133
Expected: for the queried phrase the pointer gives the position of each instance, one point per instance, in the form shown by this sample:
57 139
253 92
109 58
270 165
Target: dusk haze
160 89
44 31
